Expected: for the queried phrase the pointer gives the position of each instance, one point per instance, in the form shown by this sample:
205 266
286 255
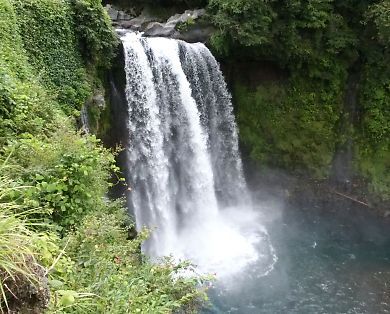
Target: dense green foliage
67 171
34 111
130 285
379 13
373 130
55 219
301 31
49 39
299 122
94 32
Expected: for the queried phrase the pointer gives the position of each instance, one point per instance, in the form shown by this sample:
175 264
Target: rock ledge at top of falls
186 26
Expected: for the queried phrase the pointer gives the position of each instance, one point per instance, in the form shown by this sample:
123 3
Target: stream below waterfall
329 261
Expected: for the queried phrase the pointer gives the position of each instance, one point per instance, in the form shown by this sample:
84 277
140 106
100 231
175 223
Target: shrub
111 266
69 174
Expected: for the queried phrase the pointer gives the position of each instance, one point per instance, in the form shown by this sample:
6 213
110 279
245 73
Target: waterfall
185 172
84 119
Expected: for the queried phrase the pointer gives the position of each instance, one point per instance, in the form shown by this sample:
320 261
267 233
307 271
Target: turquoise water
329 261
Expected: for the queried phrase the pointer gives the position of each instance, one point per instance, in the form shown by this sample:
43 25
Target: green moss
373 131
289 125
184 26
374 165
103 118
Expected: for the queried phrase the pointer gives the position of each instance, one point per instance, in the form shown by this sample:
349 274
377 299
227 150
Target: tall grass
16 241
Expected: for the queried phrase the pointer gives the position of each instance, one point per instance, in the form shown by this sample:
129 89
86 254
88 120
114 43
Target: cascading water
84 119
185 176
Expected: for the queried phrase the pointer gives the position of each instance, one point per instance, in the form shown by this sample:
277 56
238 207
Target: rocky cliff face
189 26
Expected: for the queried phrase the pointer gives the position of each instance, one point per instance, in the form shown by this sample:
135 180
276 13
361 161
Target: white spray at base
185 170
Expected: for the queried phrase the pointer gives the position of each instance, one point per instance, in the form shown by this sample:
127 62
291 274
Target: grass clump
22 280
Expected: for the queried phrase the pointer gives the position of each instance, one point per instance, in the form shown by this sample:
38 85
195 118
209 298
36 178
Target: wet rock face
197 33
96 103
156 29
117 15
185 26
112 12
